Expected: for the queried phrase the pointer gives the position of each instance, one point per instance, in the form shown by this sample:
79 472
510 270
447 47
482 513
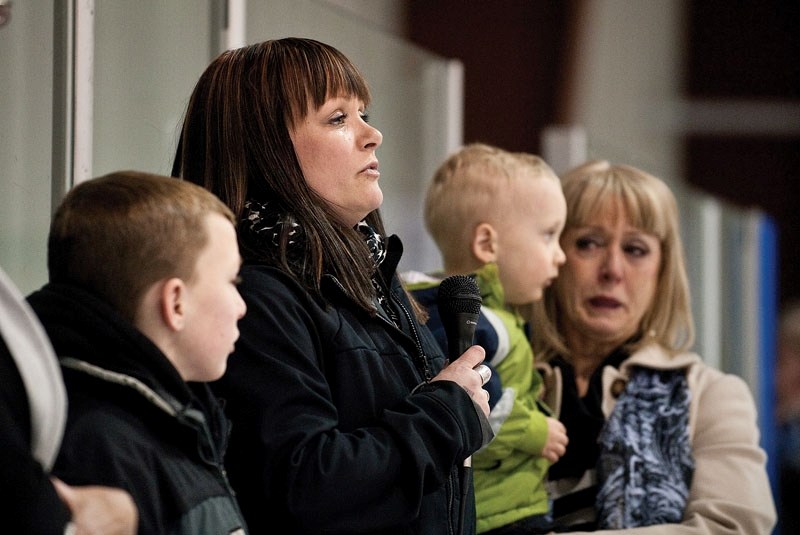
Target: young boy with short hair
498 216
142 309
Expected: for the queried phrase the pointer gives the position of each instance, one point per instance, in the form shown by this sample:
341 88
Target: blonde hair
117 234
649 205
472 187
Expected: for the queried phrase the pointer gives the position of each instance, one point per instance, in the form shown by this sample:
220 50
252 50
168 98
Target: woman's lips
604 302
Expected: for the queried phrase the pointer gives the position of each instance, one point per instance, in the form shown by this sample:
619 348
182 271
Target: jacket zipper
453 481
426 370
421 360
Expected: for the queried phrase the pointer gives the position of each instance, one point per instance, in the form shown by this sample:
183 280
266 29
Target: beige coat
730 492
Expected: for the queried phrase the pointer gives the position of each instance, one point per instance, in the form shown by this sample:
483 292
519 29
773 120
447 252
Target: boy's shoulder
419 280
423 286
494 323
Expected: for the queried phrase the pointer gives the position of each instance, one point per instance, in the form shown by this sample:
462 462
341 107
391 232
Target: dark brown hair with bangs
235 142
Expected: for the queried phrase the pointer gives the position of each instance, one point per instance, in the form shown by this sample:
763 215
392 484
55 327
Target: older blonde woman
659 442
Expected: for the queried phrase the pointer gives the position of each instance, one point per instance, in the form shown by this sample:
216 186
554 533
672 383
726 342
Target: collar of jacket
386 271
83 326
163 401
651 356
212 435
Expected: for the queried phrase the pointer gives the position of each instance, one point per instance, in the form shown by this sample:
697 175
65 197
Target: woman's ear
484 243
173 303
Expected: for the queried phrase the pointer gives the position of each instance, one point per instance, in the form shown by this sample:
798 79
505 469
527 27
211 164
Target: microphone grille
459 294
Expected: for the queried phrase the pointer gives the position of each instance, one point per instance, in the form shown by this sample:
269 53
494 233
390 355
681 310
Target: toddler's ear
173 303
484 243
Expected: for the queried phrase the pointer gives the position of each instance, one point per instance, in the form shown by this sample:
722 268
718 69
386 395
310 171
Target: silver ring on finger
484 371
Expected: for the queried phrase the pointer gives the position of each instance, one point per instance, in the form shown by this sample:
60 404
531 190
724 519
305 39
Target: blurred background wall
705 92
702 93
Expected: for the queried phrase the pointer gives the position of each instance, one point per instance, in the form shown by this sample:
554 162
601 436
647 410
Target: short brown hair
117 234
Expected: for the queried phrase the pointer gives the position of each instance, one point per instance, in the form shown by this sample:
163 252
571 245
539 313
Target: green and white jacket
509 472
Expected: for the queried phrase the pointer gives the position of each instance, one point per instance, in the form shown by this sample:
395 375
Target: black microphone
459 302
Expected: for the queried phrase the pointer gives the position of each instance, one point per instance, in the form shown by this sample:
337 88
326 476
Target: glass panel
26 106
148 56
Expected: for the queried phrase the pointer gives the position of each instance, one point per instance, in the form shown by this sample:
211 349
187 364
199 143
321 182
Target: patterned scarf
262 224
377 248
646 465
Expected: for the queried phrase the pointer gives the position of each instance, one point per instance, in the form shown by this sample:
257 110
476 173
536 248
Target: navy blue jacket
28 500
336 428
133 422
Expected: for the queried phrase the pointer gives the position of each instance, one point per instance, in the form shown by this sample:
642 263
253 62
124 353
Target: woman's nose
372 136
611 268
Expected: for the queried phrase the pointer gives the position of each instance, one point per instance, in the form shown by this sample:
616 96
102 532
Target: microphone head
459 294
459 301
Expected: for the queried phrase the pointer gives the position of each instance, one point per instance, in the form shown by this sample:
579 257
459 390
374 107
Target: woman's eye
338 118
636 250
586 243
365 117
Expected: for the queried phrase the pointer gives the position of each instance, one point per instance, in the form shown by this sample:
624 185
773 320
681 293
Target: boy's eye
553 233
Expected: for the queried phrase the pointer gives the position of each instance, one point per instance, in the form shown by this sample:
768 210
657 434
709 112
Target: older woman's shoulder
704 377
700 375
657 357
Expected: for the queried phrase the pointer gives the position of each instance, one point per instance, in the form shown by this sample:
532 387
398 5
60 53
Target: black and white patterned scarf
263 225
645 467
377 249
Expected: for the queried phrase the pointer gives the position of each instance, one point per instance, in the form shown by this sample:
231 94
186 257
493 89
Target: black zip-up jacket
28 501
336 427
133 422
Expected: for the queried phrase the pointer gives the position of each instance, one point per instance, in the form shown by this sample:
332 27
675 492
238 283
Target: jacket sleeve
28 500
730 490
325 423
99 451
523 428
517 420
27 497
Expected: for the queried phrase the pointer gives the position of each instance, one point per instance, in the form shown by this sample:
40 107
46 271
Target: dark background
736 50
